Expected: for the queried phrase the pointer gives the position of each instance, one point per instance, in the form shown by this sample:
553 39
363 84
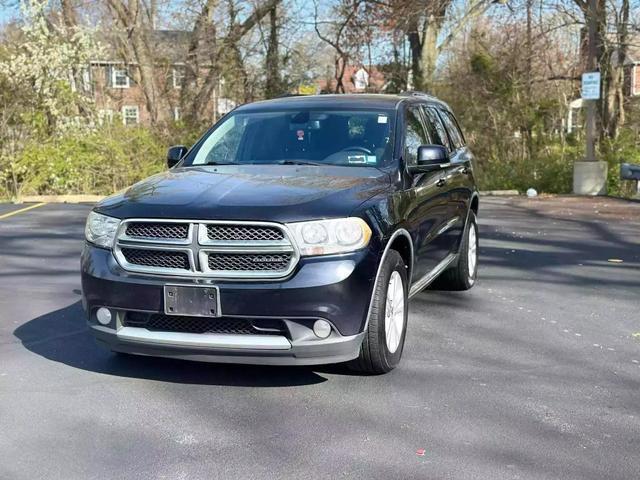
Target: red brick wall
109 97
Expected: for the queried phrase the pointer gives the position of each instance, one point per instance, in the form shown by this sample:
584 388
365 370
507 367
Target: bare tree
273 82
129 16
344 15
423 22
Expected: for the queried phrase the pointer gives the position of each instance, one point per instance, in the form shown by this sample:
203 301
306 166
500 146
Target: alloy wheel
394 312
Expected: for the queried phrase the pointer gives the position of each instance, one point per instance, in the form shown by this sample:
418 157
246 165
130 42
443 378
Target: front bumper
334 288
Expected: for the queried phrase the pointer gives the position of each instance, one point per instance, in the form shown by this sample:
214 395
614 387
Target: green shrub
100 162
550 171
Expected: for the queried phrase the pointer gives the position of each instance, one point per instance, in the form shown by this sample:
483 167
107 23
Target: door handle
441 182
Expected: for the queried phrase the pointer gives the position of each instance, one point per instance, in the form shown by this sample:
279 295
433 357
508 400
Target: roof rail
414 93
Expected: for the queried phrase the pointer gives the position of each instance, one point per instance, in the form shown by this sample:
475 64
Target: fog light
104 316
322 328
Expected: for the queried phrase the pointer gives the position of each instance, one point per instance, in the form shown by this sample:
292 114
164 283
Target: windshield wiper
301 162
218 163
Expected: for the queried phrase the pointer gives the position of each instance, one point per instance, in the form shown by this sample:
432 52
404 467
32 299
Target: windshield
323 137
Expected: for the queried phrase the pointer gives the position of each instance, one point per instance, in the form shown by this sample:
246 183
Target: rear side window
452 128
436 128
414 135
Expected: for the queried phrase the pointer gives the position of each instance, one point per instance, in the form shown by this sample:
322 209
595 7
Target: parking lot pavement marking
22 210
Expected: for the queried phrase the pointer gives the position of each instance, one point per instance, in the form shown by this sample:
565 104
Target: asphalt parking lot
533 374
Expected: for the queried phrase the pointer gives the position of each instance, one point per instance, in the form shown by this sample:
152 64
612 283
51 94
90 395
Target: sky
8 11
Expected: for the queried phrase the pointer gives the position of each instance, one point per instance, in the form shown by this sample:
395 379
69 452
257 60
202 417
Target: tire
463 274
383 342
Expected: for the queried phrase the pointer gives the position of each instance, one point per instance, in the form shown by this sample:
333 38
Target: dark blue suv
293 232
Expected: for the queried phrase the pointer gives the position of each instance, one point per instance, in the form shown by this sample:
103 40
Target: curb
499 193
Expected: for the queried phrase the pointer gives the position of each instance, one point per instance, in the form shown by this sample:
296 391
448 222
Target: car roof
346 101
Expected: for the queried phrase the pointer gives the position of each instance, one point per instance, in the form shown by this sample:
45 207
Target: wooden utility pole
592 53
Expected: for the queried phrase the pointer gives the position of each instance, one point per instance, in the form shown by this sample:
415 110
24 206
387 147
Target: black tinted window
452 128
437 130
414 135
332 137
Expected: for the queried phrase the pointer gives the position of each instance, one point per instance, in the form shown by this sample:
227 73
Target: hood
279 193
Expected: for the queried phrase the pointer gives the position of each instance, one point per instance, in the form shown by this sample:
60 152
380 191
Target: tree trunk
429 53
273 82
202 49
340 66
415 44
130 19
613 101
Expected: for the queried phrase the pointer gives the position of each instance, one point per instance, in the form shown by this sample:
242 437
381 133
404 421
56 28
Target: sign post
591 92
589 174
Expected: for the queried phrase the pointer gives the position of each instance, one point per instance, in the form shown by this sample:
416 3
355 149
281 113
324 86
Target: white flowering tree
39 91
45 61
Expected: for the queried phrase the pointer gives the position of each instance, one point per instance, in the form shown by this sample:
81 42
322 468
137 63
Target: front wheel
383 343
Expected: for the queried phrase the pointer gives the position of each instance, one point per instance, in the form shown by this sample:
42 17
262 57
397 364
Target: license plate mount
192 301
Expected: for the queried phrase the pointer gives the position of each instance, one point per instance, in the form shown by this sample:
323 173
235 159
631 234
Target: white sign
591 86
361 79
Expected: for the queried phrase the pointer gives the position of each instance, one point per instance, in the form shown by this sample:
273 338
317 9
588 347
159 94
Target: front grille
254 262
164 231
184 324
216 249
243 233
156 258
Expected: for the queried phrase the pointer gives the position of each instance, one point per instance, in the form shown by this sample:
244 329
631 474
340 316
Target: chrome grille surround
270 244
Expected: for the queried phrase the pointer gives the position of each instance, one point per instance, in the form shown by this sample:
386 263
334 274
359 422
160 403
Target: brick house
357 79
632 72
117 93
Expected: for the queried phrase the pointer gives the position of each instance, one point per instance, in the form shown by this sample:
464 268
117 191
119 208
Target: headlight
101 230
324 237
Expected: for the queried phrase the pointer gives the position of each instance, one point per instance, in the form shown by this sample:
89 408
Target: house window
178 76
176 113
119 77
130 115
105 116
86 80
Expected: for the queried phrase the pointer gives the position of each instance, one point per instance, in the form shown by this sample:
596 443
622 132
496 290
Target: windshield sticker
300 134
382 119
357 159
362 159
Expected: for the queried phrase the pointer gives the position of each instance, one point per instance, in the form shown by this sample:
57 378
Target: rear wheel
383 342
462 275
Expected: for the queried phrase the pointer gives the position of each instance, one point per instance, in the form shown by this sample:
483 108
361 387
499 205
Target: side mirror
175 154
430 158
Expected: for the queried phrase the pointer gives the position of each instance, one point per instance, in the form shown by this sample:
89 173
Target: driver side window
414 135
